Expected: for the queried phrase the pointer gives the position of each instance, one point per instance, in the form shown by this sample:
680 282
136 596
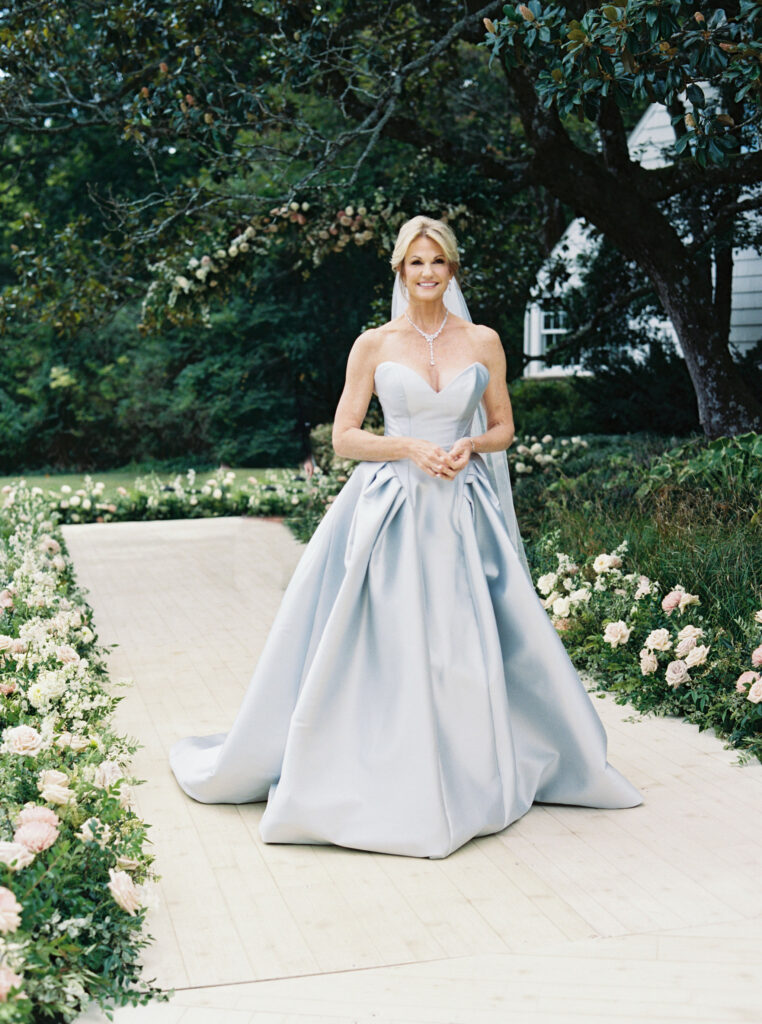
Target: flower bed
75 876
653 647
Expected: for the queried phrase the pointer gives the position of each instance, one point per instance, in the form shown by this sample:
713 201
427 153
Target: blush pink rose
66 654
671 601
756 657
6 599
8 980
746 679
34 812
36 835
10 911
7 688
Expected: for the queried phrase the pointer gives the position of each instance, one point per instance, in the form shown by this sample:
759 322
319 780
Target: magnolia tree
271 106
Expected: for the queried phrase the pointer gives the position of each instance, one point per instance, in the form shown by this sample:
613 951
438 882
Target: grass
114 478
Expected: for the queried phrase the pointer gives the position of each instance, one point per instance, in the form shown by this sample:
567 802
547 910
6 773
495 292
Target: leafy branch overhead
643 50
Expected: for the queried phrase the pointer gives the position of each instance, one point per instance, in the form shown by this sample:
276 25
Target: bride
412 693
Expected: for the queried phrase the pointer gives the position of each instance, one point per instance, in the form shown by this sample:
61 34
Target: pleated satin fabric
412 692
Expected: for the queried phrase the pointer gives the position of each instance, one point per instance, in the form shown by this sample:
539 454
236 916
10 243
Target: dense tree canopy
167 153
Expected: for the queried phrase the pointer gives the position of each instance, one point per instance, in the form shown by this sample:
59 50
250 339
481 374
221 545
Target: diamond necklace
431 338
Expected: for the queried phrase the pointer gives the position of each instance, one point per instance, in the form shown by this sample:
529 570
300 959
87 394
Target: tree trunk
726 405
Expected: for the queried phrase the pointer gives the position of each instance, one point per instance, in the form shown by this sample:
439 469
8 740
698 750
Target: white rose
677 673
648 662
658 640
546 583
22 739
547 603
106 774
15 855
617 633
690 631
697 656
601 563
52 777
59 795
88 832
685 645
561 607
124 891
583 594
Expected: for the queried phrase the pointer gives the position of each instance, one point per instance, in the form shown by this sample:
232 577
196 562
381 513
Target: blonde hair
437 230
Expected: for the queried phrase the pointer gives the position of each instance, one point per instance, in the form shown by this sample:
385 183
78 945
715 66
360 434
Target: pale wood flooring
571 914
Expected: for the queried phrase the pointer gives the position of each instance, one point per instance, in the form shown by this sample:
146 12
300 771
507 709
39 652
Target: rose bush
653 648
75 874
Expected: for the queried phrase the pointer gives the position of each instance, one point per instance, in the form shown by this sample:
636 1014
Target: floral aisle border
653 647
75 875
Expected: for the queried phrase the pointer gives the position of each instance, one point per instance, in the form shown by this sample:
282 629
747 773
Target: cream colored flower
685 645
547 582
677 673
617 633
648 662
10 911
697 656
52 777
561 607
88 832
22 739
106 774
690 631
755 692
15 855
583 594
126 863
658 640
60 795
124 891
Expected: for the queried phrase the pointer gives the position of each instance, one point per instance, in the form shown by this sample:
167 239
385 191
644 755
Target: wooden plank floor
575 914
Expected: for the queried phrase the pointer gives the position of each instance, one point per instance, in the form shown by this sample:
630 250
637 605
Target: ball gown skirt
412 692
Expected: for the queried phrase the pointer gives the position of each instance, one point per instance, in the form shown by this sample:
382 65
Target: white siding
649 142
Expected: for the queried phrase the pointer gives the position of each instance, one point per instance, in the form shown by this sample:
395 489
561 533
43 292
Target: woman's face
425 271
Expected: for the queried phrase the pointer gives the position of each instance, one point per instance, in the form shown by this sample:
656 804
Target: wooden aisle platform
570 915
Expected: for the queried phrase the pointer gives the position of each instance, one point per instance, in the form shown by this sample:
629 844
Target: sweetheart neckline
394 362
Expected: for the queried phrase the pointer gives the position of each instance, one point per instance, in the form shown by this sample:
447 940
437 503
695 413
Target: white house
649 143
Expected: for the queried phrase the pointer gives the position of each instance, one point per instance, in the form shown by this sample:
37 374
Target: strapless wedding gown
412 692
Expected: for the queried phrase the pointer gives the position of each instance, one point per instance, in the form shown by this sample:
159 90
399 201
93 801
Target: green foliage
542 404
61 762
631 50
731 467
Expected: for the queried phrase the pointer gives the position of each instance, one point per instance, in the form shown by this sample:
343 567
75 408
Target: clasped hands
436 461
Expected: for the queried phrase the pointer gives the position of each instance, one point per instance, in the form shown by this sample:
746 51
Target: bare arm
349 440
500 427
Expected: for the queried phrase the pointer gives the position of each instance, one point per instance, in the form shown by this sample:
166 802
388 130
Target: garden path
571 914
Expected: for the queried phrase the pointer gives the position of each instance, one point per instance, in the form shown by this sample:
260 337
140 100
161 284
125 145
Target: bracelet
473 446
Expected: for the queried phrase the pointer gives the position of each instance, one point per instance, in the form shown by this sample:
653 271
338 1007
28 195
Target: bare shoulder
489 346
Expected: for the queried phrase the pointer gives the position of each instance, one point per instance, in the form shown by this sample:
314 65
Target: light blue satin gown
412 692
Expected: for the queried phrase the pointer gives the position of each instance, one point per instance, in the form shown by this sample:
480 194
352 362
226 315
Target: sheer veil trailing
496 462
